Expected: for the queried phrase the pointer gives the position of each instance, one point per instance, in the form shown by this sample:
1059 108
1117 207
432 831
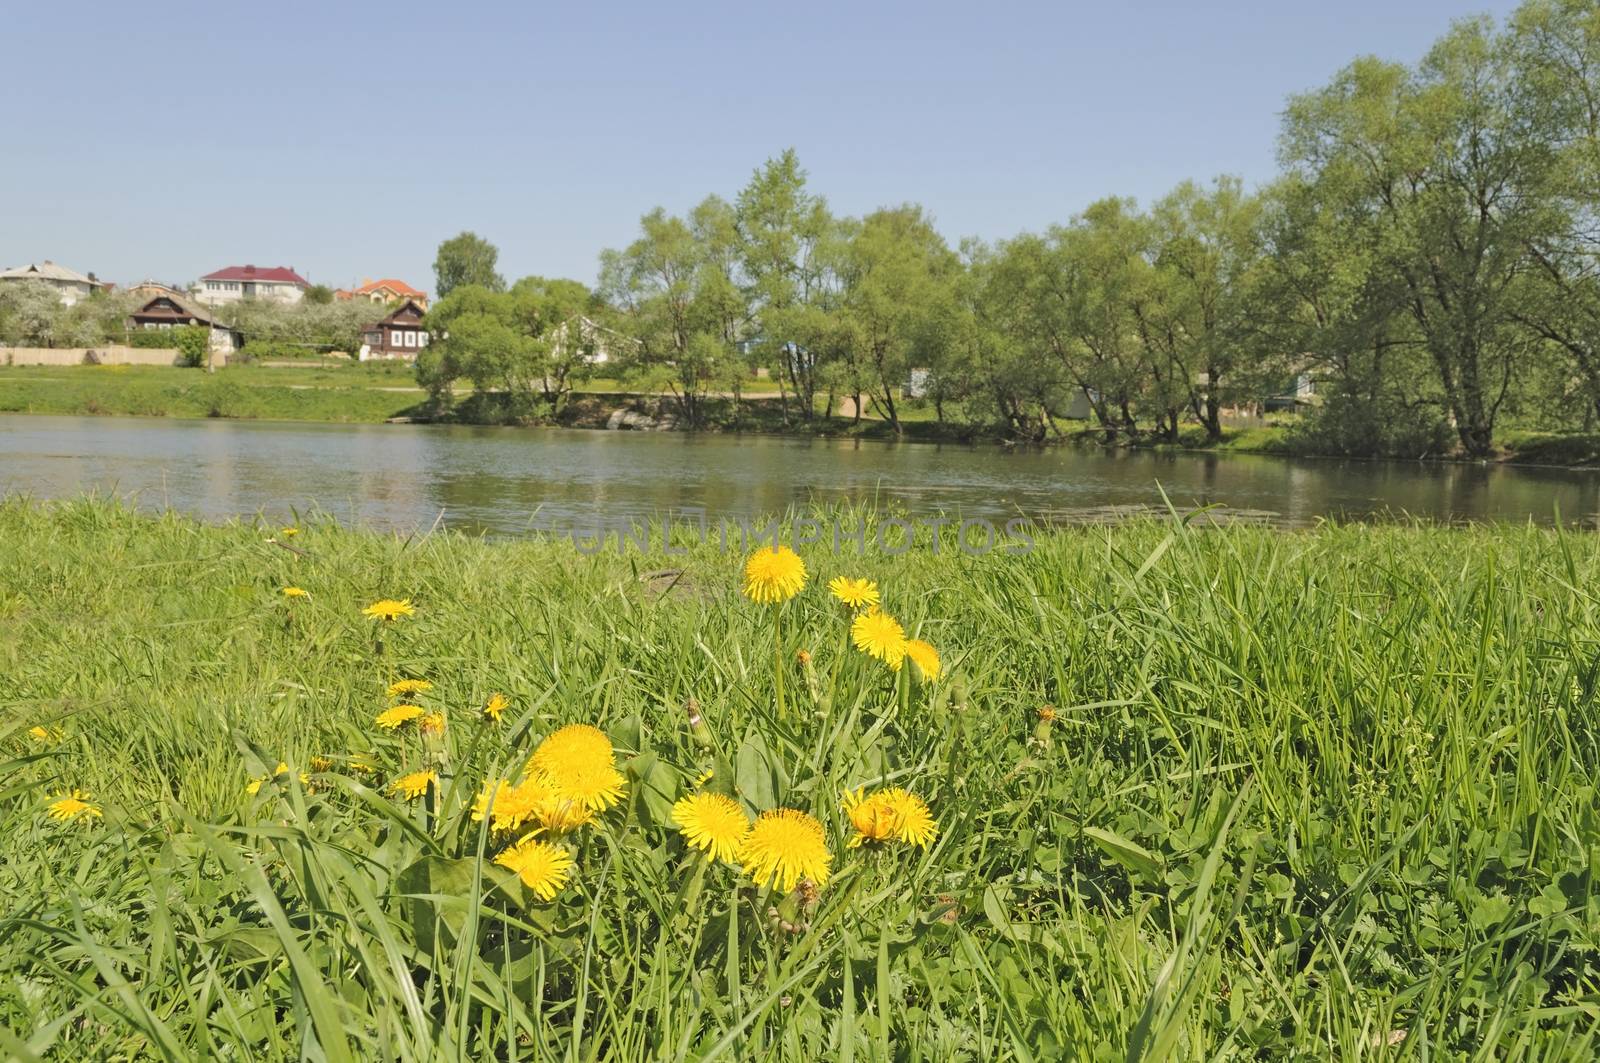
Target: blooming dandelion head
289 533
390 609
405 687
712 823
1047 713
413 785
295 592
856 593
577 759
398 716
72 805
879 635
914 823
544 868
925 657
872 817
497 705
773 575
45 736
432 724
783 847
892 814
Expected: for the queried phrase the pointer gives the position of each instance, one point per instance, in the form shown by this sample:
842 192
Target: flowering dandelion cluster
537 818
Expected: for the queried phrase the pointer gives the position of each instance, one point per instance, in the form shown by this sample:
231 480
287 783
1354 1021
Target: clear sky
347 139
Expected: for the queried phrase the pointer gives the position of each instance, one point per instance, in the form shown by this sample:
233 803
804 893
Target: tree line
1427 255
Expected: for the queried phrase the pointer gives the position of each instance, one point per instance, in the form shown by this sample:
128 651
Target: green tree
1439 162
899 305
790 248
319 295
523 350
464 259
676 302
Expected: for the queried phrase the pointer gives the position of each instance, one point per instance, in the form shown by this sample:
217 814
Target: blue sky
347 139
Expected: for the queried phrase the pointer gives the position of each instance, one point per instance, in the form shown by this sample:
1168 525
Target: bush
149 338
1362 427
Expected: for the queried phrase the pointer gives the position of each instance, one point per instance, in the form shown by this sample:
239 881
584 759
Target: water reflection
507 481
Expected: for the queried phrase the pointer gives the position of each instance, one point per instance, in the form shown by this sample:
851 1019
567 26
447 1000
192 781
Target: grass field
1309 796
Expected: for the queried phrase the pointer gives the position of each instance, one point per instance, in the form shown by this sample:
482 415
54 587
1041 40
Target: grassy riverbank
376 392
1304 795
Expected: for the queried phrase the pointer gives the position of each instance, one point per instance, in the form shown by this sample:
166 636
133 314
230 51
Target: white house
69 283
596 343
250 282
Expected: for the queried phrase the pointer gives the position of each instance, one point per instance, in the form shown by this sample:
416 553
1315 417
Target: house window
422 339
411 339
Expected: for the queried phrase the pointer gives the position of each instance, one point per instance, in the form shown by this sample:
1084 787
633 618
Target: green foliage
463 260
528 346
1234 842
193 343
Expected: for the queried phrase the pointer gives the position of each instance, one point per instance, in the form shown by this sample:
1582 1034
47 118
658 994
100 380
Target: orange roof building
384 291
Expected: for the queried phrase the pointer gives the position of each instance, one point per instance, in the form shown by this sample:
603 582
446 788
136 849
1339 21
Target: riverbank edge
755 415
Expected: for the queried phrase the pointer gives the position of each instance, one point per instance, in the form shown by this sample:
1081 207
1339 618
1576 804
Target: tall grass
1320 795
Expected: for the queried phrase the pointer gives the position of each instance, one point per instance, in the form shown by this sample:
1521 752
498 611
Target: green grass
1305 794
249 392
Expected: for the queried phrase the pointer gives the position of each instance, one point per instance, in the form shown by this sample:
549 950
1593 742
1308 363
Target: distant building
149 289
70 285
400 335
1293 395
918 383
383 292
250 282
596 343
171 311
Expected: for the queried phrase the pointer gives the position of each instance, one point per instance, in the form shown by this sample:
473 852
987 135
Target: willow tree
1439 161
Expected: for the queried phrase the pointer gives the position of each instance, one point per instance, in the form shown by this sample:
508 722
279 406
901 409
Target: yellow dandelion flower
713 824
1047 713
543 868
533 800
783 847
289 533
295 592
432 724
71 805
925 657
870 816
558 813
399 716
497 705
879 635
402 687
856 593
45 736
578 761
773 575
388 609
703 778
509 807
893 814
914 823
362 764
414 784
321 763
254 785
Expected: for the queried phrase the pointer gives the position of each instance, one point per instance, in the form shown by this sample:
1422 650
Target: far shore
378 393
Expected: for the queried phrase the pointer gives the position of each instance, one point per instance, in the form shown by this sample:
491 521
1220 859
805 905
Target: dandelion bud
697 724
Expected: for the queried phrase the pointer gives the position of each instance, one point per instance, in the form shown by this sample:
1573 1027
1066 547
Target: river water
508 481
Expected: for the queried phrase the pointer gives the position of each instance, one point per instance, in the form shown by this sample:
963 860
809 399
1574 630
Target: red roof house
252 282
